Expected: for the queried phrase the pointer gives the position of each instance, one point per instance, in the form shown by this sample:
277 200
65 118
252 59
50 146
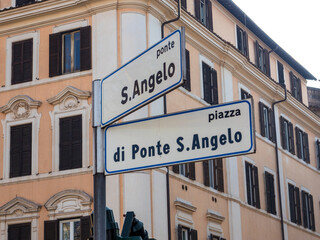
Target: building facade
51 51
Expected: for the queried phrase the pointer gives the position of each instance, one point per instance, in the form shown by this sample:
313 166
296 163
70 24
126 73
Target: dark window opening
270 193
210 84
187 83
280 74
307 210
252 184
244 94
267 125
187 170
295 87
294 202
262 59
287 137
20 3
242 41
185 233
203 13
302 144
19 231
213 174
318 152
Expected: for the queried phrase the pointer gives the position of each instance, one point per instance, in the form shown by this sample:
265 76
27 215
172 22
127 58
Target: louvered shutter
304 198
266 62
271 126
207 87
239 38
85 227
85 48
292 203
291 138
206 179
55 54
192 171
273 196
298 142
262 123
193 234
256 187
175 168
26 149
306 154
248 181
27 60
187 83
219 172
183 3
245 44
297 204
298 86
197 9
77 141
51 230
318 152
20 3
257 53
268 191
214 86
283 133
311 213
25 232
19 231
280 73
209 23
179 232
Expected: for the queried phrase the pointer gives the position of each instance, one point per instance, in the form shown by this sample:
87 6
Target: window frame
262 59
271 173
204 60
14 3
35 36
296 204
280 75
267 125
63 66
302 145
20 225
307 204
71 221
253 191
244 49
295 86
213 174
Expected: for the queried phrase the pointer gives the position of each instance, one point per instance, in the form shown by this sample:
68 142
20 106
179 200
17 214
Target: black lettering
232 113
172 44
164 71
151 151
171 69
238 113
179 142
124 95
214 142
205 142
135 149
211 117
116 155
220 115
223 139
136 90
151 83
226 114
238 136
143 152
195 142
144 86
229 136
166 148
159 77
159 148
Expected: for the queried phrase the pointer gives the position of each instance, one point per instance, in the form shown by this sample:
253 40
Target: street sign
199 134
150 75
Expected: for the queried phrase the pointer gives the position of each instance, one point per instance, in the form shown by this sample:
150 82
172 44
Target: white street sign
211 132
150 75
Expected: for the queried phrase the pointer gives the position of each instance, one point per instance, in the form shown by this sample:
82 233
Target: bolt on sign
148 76
217 131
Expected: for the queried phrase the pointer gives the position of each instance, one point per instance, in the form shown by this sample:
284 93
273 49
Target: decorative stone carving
69 97
20 106
19 206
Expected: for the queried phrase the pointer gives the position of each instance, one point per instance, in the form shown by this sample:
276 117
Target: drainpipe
165 112
277 159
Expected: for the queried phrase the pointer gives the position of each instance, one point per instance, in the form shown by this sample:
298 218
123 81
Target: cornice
214 216
19 204
184 205
69 91
18 101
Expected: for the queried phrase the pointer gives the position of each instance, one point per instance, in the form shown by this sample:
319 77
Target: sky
294 25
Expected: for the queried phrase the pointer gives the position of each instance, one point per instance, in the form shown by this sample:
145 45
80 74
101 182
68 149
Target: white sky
293 24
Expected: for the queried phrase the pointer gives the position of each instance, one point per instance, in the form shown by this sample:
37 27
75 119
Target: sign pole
99 179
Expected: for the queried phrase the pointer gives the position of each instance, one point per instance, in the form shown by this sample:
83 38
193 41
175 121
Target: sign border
250 103
152 98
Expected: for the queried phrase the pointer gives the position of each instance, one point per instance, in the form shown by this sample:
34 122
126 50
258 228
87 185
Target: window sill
45 81
35 177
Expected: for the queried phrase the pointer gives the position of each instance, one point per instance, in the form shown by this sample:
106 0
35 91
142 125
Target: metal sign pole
99 179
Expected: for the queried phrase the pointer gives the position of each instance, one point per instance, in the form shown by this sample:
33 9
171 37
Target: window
70 229
302 145
70 51
287 139
295 87
70 146
244 94
20 3
185 233
187 170
19 231
307 210
20 150
183 4
262 59
22 52
213 174
203 12
318 152
270 193
214 237
266 122
252 184
210 84
242 41
280 73
187 83
294 202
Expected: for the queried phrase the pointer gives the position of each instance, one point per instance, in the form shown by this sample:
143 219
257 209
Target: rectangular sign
211 132
150 75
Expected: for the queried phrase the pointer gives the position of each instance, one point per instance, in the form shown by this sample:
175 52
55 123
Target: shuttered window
295 83
19 231
302 144
280 73
244 94
287 136
203 12
20 3
185 233
187 83
70 51
213 174
188 170
318 152
242 41
183 4
70 146
267 126
215 237
270 193
262 59
252 184
307 210
20 150
294 202
22 54
73 229
210 84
